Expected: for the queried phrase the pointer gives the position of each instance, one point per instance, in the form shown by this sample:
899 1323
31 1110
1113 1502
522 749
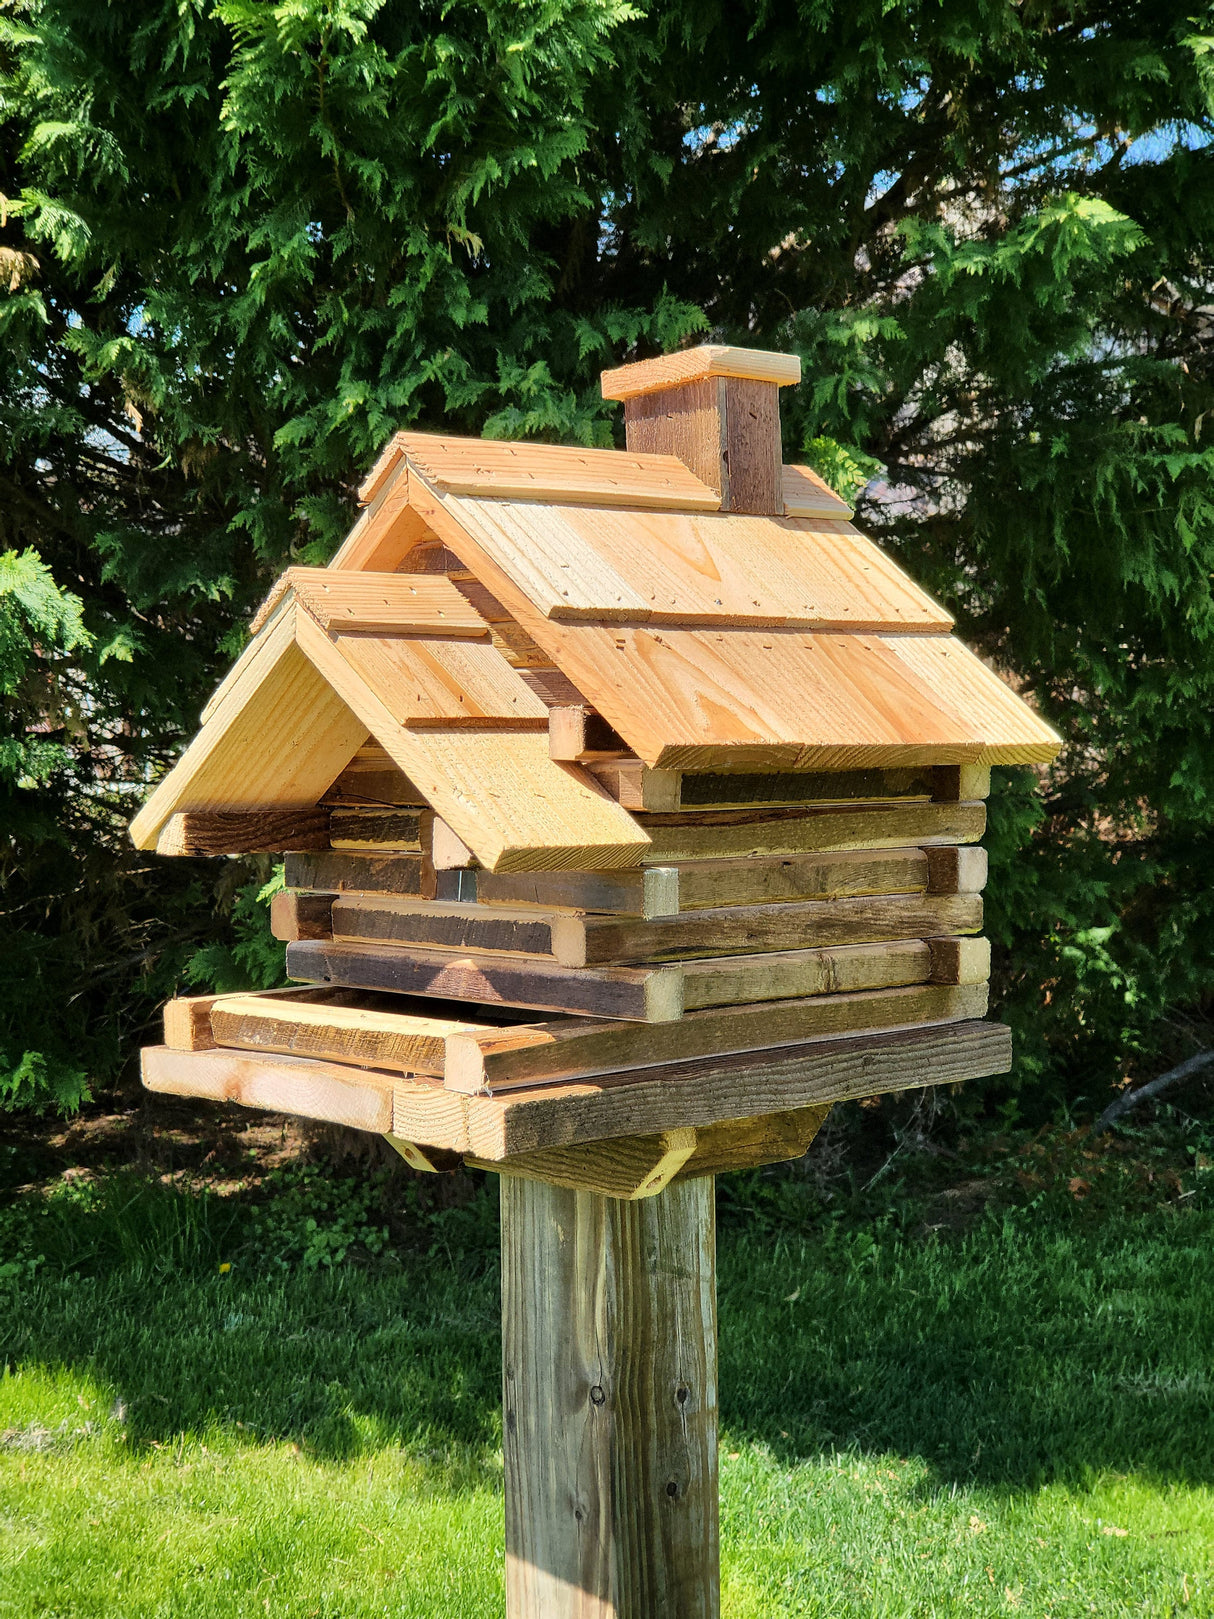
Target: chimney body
718 410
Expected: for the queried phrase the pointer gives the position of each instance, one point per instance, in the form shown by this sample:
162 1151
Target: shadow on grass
1031 1349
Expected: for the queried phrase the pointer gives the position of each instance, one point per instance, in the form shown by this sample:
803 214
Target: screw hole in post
597 1394
672 1489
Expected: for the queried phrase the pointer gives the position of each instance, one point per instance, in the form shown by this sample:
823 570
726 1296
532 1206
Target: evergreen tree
240 243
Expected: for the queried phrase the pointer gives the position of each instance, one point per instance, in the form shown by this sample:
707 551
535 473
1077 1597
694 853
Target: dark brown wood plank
365 830
358 873
650 995
219 832
739 834
299 915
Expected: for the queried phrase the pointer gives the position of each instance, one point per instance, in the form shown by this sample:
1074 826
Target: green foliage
241 243
314 1218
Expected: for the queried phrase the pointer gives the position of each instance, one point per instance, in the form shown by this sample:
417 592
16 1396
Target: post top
692 365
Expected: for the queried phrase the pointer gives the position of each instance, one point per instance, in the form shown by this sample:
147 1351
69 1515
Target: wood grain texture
583 940
372 778
433 681
552 472
275 740
580 941
609 1397
295 914
442 925
367 829
657 891
339 872
505 1059
695 1093
734 1144
220 832
498 790
960 961
754 470
576 734
389 527
626 1167
705 360
187 1018
783 879
794 974
307 1088
649 995
712 568
960 869
807 495
743 834
685 421
405 1042
383 602
646 892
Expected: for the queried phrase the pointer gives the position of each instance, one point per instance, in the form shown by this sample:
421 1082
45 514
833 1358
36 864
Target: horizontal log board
576 1048
646 892
802 787
374 874
739 834
582 941
372 829
636 786
218 832
409 1035
646 994
657 891
408 1043
789 975
696 1094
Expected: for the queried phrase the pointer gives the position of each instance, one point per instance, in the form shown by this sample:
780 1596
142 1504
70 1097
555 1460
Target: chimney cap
693 365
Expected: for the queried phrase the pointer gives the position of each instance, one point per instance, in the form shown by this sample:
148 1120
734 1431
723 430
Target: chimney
718 410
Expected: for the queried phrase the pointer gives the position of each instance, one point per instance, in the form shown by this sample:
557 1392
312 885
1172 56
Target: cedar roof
709 639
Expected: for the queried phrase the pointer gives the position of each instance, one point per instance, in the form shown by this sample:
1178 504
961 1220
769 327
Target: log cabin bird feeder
631 803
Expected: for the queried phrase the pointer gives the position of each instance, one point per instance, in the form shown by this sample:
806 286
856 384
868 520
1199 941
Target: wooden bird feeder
631 804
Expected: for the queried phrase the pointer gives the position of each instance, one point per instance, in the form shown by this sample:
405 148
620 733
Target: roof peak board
368 601
718 568
693 365
702 699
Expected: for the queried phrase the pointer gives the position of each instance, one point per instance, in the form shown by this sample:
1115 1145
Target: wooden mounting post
609 1346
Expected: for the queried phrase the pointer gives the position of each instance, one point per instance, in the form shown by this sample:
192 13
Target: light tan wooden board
437 682
553 473
696 1093
388 527
575 940
742 835
713 568
705 360
407 1042
730 698
807 495
385 602
542 1052
276 740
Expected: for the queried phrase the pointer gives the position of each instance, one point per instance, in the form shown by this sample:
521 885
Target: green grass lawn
1011 1414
